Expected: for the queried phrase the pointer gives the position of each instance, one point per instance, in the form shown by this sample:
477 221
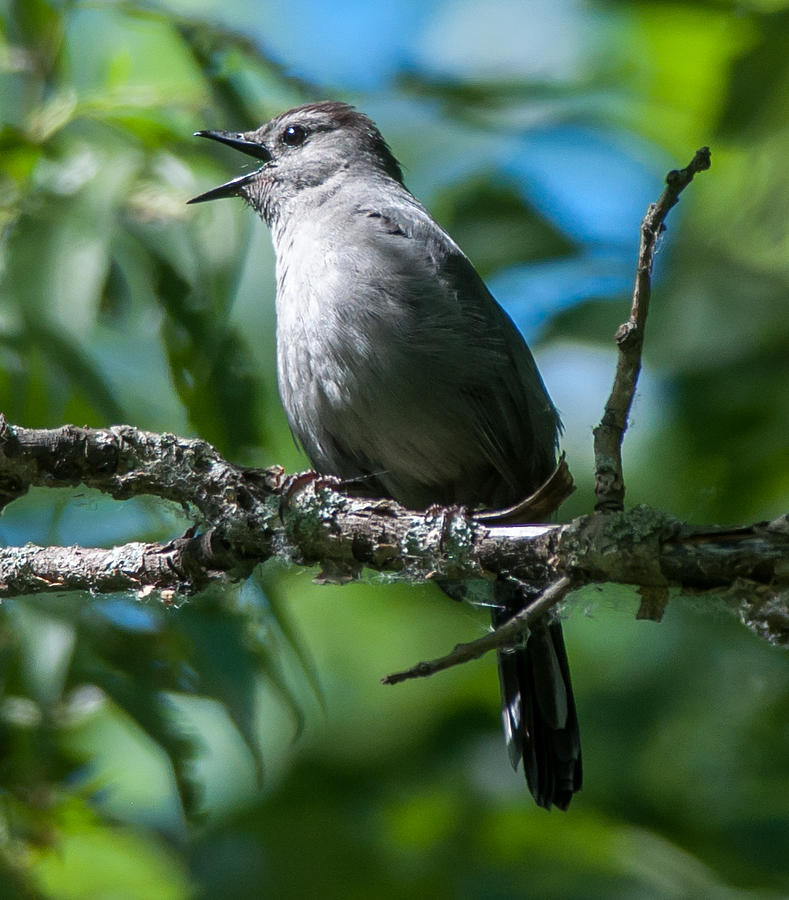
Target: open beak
238 142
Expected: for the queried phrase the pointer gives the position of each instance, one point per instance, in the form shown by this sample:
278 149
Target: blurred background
241 745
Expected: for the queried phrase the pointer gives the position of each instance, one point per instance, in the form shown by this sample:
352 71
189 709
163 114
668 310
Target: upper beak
238 142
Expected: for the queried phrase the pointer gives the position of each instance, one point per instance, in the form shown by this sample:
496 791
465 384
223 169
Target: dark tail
538 708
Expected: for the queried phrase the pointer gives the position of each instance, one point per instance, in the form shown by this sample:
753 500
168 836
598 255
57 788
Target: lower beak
228 189
238 142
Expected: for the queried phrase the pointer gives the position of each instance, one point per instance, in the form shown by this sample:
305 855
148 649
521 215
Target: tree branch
608 435
124 462
248 516
505 635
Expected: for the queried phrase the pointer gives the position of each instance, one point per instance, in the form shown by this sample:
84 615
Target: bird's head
301 148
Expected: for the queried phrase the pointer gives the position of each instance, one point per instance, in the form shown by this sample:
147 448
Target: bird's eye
294 135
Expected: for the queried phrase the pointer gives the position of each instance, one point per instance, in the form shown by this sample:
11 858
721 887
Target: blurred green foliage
240 745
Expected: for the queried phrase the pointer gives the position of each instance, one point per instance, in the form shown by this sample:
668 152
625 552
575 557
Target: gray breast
395 363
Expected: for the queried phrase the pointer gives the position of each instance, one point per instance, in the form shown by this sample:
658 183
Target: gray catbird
398 370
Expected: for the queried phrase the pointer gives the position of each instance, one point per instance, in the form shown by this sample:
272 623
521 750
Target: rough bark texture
247 516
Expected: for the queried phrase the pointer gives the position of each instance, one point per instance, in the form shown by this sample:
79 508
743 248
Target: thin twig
609 482
508 633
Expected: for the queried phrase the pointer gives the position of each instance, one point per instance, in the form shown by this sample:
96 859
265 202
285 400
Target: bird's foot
292 484
436 510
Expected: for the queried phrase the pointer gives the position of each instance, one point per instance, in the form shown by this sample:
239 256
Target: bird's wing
512 422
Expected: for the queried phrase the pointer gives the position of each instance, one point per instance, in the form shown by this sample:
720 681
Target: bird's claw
292 484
